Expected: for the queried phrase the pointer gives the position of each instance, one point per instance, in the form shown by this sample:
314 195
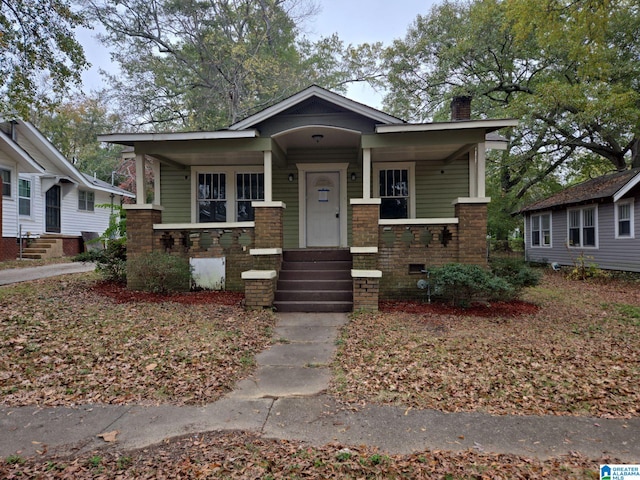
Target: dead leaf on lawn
150 367
109 436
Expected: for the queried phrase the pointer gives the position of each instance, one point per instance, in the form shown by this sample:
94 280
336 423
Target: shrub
159 272
516 272
110 262
461 284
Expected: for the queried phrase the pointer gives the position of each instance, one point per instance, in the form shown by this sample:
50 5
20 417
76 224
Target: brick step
315 284
313 306
316 255
333 265
315 275
314 295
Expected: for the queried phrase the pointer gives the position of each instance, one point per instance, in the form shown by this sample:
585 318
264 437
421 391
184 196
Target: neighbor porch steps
315 281
43 247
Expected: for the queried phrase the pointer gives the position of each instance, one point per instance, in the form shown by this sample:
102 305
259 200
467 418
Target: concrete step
293 306
315 275
34 250
314 295
315 284
316 255
32 256
332 265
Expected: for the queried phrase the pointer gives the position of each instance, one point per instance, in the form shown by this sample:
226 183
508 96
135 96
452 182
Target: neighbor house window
583 227
86 200
249 187
24 196
395 189
541 230
6 182
624 219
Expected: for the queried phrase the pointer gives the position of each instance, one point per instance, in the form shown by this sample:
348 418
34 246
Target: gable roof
319 92
64 165
614 186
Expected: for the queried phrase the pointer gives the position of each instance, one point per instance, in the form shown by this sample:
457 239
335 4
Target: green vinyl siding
435 190
287 192
175 196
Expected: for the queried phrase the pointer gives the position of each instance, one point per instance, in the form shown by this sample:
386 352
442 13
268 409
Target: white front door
323 209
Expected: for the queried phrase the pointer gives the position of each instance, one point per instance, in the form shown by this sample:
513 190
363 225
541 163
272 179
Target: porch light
353 176
317 137
291 177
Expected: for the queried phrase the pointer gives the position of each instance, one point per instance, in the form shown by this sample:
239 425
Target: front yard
72 340
577 355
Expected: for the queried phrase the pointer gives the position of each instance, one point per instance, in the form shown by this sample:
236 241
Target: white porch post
481 166
140 190
366 173
268 177
473 173
155 165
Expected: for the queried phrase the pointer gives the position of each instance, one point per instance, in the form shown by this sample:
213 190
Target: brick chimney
461 108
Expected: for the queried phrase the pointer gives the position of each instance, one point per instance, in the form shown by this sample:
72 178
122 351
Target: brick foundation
365 294
364 234
259 293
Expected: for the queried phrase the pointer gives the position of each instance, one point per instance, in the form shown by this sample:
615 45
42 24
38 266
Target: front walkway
16 275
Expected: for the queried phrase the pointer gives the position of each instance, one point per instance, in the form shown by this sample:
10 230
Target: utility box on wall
208 273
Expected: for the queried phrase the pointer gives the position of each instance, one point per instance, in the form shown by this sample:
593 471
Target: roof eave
130 139
487 125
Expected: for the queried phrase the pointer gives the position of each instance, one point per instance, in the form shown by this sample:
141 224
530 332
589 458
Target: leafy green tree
73 128
36 42
567 70
194 65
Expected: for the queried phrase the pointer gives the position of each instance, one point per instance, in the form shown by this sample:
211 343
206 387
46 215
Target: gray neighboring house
596 218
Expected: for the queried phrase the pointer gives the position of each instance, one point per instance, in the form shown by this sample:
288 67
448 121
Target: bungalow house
317 202
594 219
46 202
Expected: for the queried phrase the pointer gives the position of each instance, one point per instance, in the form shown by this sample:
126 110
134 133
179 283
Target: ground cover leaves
577 355
247 456
63 341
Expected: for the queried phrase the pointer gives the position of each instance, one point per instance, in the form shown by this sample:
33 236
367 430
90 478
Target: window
24 196
86 200
6 182
624 219
396 186
249 187
541 230
582 227
212 203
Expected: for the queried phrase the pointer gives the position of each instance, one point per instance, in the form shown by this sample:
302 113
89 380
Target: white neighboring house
45 196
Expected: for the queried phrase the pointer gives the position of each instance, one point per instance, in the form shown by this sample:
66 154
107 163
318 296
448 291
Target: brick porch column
472 230
260 282
364 238
140 221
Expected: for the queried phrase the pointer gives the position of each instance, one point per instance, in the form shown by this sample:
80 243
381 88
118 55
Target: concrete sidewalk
284 399
16 275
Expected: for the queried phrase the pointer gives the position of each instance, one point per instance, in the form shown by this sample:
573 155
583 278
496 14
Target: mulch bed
510 309
119 293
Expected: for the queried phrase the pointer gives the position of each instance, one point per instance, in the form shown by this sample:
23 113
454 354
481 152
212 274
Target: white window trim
410 167
230 172
530 233
595 224
631 203
30 180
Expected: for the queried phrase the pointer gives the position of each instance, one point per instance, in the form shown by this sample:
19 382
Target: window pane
589 237
90 201
546 240
624 228
546 222
535 223
624 211
393 208
589 217
574 236
212 211
249 186
574 218
24 188
6 183
535 237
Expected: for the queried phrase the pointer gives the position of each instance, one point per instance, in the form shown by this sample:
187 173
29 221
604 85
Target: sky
355 22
